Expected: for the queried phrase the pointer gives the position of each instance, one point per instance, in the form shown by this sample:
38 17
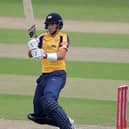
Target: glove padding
37 54
33 43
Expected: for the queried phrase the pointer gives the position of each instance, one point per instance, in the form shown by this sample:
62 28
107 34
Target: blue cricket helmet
54 18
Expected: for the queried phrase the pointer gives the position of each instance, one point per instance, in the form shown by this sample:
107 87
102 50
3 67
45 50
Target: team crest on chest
57 40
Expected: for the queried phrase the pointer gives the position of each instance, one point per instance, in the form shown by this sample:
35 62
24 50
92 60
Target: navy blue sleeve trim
40 42
68 40
61 40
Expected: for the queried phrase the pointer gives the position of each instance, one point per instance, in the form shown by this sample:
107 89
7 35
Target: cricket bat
28 11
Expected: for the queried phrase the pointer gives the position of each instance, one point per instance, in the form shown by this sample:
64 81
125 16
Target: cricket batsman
50 48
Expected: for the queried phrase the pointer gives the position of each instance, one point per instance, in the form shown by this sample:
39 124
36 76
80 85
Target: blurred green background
83 110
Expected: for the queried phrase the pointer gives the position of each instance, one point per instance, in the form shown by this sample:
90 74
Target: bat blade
28 11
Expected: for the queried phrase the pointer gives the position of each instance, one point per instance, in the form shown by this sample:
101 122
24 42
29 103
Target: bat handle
32 31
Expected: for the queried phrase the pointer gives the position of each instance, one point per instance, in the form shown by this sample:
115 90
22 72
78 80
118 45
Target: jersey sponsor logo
53 46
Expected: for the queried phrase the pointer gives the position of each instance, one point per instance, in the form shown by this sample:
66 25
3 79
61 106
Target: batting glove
37 54
33 44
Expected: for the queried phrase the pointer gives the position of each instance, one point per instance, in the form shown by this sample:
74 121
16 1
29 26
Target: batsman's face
52 27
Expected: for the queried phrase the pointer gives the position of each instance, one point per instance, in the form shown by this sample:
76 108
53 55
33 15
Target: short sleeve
64 41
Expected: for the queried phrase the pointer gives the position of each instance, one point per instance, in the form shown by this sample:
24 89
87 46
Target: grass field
76 38
100 10
82 110
99 70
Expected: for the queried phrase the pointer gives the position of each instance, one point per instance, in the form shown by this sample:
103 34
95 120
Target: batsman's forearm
55 56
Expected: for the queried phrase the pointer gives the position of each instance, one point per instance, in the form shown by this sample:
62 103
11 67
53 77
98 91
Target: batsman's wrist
51 56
